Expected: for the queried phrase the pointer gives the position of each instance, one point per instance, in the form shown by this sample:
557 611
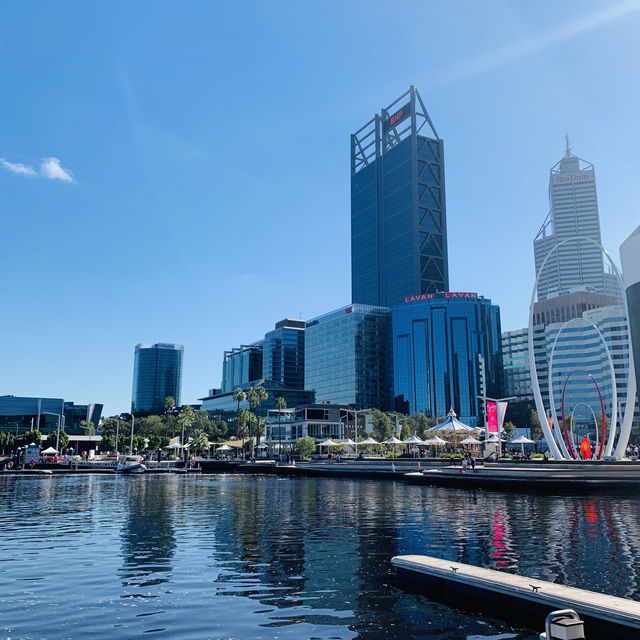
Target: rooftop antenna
568 149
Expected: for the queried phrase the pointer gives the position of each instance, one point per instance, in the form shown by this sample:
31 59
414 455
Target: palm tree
185 418
169 404
199 441
244 417
261 394
252 397
281 404
239 396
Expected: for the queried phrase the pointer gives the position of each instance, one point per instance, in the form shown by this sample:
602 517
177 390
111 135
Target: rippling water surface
262 557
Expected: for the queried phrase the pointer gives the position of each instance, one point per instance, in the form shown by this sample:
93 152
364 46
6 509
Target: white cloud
51 168
16 167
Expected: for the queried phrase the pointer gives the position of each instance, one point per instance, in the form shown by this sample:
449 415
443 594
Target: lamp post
61 421
355 435
486 425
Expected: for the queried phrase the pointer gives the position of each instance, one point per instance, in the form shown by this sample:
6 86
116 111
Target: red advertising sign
492 417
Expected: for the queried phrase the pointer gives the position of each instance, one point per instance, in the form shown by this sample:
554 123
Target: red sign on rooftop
441 294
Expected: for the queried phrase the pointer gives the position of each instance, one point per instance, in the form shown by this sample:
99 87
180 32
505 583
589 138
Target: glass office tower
283 354
574 213
241 366
398 212
348 357
517 372
446 352
157 373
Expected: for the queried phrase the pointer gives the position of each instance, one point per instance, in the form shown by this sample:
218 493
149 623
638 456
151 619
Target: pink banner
492 417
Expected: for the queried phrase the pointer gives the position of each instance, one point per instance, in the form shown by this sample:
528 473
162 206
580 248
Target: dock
519 599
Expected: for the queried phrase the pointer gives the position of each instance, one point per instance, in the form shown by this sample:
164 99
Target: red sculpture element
564 423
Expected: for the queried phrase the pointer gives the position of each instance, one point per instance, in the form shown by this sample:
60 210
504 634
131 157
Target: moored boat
130 464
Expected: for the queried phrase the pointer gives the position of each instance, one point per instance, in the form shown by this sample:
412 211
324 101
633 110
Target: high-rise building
398 211
241 366
283 354
579 355
630 256
517 373
348 357
573 216
446 353
157 374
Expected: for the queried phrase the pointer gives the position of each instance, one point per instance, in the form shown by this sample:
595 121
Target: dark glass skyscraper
283 354
241 366
157 373
446 352
398 212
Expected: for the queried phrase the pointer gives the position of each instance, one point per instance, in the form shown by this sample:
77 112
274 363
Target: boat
130 464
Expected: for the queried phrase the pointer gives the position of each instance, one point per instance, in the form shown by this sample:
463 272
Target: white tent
49 451
225 447
470 440
435 441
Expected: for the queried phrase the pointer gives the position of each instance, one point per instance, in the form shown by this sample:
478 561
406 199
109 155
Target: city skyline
125 198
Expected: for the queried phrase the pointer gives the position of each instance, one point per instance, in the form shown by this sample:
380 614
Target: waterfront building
348 357
446 353
157 374
283 354
398 210
224 405
241 366
573 213
515 358
630 256
318 420
21 414
580 351
568 305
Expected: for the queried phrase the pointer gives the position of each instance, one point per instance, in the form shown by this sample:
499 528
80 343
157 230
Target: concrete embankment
571 477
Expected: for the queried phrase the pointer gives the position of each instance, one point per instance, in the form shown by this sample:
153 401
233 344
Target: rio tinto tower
574 214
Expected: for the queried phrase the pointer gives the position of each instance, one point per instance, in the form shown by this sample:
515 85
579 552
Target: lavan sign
440 295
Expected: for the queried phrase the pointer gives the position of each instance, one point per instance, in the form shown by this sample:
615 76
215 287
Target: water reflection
238 557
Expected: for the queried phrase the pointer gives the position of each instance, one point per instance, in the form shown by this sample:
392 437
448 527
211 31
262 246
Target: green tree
139 442
281 404
404 432
535 427
185 418
239 396
244 418
6 440
383 425
520 412
199 442
169 404
88 426
34 437
63 440
419 424
509 429
305 446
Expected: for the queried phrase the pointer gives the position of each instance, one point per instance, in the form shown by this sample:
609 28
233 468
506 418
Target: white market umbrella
413 440
262 445
435 441
49 451
328 443
225 447
369 440
470 440
522 440
347 441
175 445
394 441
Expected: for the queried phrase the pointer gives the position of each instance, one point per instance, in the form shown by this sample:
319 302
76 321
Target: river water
226 556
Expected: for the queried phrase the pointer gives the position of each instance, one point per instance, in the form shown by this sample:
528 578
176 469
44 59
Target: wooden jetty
525 601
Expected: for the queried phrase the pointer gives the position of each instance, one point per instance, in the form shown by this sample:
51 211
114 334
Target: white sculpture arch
625 430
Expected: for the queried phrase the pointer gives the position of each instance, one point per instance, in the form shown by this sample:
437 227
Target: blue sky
179 172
